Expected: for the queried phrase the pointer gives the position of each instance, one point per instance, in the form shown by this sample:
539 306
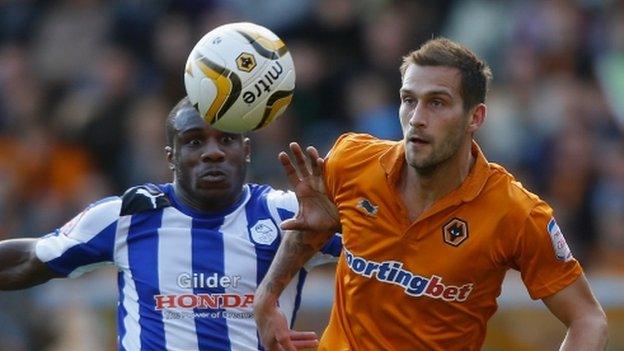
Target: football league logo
562 250
455 232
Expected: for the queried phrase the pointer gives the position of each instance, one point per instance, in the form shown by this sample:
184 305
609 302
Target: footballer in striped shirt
189 254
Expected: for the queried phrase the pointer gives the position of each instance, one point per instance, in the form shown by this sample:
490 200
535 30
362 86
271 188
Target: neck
209 203
421 189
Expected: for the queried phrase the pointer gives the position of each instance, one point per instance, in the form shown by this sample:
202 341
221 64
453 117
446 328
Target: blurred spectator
172 42
373 107
607 209
144 156
69 39
115 84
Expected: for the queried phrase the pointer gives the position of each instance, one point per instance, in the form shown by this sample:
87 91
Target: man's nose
212 152
417 117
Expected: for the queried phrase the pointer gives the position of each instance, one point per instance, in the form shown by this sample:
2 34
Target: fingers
303 340
279 347
300 168
312 152
300 159
295 224
302 335
305 344
291 171
289 224
285 343
317 161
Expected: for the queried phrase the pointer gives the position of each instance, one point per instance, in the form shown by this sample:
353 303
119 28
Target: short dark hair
170 125
170 129
475 73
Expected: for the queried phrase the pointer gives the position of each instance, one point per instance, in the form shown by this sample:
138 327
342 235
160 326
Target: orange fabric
399 285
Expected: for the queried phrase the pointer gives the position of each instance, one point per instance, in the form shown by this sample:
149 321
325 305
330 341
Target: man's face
209 165
432 115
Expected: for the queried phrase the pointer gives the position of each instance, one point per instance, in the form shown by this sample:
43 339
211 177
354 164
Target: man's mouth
213 176
418 140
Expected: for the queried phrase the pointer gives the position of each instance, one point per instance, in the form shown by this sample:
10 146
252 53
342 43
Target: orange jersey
432 284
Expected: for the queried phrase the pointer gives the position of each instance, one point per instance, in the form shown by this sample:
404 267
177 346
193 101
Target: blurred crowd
85 86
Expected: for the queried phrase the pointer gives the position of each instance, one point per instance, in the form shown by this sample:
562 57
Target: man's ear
477 117
247 148
169 156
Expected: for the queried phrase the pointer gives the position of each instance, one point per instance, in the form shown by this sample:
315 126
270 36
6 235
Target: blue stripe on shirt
212 333
143 261
256 206
121 312
98 249
285 214
302 276
551 225
333 246
256 209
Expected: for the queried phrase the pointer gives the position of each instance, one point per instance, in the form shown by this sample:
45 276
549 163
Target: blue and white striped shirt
186 279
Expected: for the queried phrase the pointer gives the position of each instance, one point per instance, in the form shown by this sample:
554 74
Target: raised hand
316 211
277 336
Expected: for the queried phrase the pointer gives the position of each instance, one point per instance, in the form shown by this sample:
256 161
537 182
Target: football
240 77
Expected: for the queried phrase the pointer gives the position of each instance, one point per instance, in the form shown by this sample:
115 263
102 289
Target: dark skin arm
316 221
19 266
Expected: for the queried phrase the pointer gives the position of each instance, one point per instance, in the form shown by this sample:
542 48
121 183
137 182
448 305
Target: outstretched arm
19 266
579 310
295 250
316 221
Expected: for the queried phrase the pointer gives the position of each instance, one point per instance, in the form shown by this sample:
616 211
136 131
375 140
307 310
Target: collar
393 160
195 213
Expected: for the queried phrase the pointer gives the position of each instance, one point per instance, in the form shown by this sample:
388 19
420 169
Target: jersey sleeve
542 255
282 205
84 243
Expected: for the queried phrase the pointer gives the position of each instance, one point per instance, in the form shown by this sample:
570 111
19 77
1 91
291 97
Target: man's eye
194 142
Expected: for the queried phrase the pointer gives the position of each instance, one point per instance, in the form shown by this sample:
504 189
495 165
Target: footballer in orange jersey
441 273
429 227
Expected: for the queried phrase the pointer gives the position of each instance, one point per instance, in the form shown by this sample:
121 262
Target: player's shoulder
273 198
144 197
511 192
352 151
93 218
360 143
280 204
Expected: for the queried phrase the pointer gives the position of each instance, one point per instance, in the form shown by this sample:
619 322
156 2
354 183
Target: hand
316 212
275 334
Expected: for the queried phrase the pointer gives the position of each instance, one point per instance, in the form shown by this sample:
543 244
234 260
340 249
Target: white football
240 77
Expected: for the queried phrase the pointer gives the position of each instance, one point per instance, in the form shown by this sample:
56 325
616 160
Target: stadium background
85 86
